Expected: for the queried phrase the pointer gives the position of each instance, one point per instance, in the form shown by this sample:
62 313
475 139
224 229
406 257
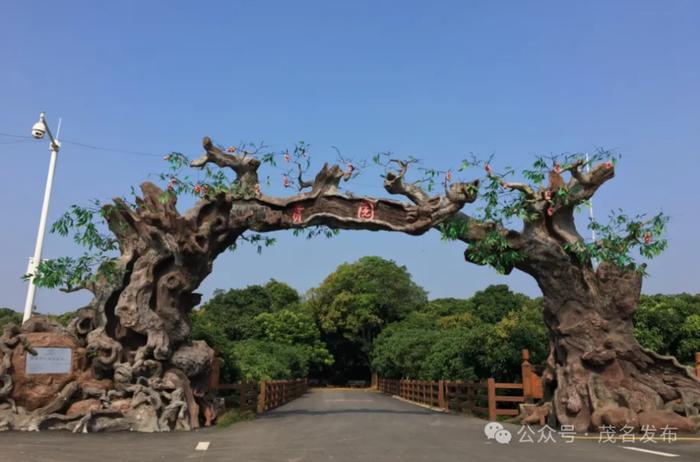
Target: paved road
335 426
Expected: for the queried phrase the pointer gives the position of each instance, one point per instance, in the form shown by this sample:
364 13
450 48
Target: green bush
354 304
9 316
669 325
233 416
400 351
462 340
267 360
260 333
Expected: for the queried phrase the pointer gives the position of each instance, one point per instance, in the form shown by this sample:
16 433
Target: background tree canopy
354 303
370 315
9 316
670 325
464 339
261 332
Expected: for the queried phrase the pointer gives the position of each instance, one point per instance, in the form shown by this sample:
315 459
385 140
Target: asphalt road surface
337 426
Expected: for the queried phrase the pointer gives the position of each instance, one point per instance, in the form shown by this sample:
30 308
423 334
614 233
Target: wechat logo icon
495 431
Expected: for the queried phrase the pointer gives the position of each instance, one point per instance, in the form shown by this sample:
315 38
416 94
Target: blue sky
437 80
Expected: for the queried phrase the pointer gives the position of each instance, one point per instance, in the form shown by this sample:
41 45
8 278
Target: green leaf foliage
464 339
9 316
261 333
265 360
669 325
294 328
354 304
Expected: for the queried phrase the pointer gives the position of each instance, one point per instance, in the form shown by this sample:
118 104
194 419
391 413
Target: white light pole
38 131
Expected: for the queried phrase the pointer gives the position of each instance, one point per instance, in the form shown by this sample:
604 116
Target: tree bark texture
600 374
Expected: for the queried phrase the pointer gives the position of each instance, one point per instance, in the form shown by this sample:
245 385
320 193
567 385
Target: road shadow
300 412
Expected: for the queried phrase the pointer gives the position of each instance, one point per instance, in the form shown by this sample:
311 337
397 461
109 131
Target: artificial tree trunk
597 372
600 374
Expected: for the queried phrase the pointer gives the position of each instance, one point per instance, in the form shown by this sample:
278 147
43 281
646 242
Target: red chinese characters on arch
296 213
365 211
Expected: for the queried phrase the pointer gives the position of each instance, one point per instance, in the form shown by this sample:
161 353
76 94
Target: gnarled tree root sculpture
105 389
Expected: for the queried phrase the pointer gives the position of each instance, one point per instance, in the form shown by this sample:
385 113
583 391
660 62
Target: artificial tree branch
302 183
474 230
328 179
394 184
246 167
583 186
469 229
527 191
575 170
336 210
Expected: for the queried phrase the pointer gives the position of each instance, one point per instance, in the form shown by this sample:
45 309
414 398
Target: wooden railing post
526 369
442 403
261 397
491 389
215 376
470 389
697 364
242 393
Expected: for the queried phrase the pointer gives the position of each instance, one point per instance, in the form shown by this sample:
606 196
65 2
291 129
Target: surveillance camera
38 130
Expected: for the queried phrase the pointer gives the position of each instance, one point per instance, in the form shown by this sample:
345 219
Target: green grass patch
232 416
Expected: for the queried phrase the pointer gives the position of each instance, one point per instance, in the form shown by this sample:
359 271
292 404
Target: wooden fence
259 396
489 397
247 393
275 393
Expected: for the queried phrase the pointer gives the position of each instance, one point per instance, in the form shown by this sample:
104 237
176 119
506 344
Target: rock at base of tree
33 391
195 359
535 414
658 419
83 407
614 416
111 385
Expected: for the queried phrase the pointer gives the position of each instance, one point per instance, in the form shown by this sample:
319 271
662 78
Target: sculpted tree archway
136 328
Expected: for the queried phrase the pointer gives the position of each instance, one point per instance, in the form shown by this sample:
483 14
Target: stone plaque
49 361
